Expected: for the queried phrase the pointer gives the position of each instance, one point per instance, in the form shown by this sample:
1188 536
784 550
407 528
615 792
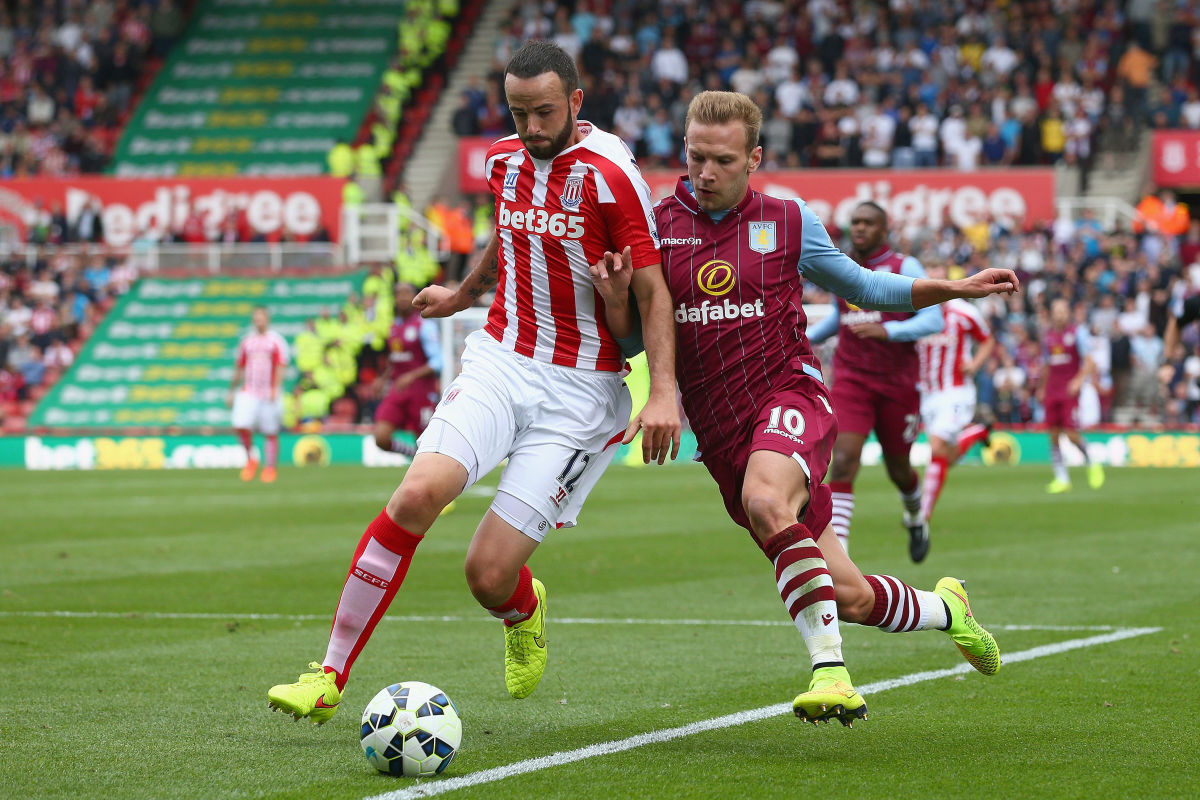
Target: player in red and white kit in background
540 384
948 367
1065 366
260 363
412 378
735 261
875 371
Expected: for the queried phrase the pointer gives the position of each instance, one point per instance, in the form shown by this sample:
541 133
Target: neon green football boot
1095 474
525 649
1058 487
977 646
315 696
830 696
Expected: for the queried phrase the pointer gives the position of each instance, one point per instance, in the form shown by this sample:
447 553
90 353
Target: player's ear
575 101
754 160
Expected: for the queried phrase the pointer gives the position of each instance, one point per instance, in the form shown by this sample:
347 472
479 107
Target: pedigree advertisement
128 206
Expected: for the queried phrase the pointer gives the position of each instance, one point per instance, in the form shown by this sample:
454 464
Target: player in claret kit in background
260 362
540 384
735 261
1065 366
414 365
875 372
948 367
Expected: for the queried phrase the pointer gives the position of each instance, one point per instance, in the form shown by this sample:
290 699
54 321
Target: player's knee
844 466
855 600
417 497
768 512
490 583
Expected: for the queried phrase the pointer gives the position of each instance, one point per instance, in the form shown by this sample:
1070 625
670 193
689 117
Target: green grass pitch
162 693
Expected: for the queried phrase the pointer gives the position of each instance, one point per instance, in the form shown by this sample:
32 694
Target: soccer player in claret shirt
540 384
260 362
948 367
1065 366
735 261
875 370
414 365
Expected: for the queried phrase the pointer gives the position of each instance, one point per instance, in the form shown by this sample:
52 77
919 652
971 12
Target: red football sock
247 441
935 479
971 435
379 566
271 450
521 605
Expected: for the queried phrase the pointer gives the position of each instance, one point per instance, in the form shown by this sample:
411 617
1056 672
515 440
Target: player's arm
1177 322
1087 367
438 301
926 322
659 418
431 345
239 370
611 279
982 354
826 327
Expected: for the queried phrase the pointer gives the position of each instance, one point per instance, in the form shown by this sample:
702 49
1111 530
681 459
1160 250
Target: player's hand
659 424
989 281
611 276
437 301
870 330
1073 387
403 382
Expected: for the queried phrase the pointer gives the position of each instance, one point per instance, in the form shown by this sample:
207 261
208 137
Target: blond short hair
719 108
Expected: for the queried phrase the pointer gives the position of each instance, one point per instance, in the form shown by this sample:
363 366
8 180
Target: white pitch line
740 718
759 623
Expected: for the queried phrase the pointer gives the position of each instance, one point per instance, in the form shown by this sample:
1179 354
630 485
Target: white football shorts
946 413
558 427
257 413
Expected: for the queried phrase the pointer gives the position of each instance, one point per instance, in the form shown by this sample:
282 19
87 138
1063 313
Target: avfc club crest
762 237
572 194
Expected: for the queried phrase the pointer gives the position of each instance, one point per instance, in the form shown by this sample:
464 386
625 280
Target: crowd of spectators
967 83
1121 285
49 304
69 72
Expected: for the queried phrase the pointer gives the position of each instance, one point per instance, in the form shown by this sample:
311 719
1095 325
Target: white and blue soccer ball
411 729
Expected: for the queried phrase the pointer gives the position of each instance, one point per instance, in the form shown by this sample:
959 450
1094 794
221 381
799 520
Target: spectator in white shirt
669 63
953 132
1079 137
782 59
748 77
878 131
999 58
924 128
1189 112
842 90
792 94
1066 93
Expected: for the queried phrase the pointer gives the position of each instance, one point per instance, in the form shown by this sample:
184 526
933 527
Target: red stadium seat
13 425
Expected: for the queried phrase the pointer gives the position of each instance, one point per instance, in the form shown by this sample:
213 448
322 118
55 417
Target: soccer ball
411 729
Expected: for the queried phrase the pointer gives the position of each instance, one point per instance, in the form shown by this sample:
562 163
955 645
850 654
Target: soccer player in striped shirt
735 260
540 385
948 367
255 393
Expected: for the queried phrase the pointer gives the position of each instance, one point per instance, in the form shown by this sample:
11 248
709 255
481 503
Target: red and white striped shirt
944 354
553 219
261 356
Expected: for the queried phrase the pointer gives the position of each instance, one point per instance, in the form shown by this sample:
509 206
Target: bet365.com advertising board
223 451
